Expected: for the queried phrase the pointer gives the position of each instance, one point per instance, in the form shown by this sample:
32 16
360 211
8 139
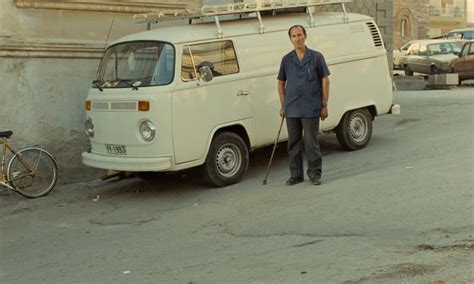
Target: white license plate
116 149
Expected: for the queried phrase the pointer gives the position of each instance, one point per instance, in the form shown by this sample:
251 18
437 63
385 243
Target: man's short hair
294 27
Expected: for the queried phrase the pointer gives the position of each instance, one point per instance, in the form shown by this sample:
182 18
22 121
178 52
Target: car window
414 49
468 35
406 46
423 50
435 49
465 50
471 50
219 56
456 47
454 35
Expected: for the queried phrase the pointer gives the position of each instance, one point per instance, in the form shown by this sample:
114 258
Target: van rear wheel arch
355 129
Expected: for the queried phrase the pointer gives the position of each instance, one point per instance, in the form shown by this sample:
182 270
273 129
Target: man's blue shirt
303 83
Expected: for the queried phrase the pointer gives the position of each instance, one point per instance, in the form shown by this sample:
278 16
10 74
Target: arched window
405 27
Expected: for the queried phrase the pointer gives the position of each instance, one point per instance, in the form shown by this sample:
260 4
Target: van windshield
136 64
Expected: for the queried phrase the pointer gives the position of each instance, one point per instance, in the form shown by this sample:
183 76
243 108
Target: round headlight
147 130
89 127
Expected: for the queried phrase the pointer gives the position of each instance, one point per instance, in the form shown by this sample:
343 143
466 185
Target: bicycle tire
36 183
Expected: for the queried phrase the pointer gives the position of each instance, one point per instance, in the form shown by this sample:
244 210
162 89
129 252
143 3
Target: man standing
303 87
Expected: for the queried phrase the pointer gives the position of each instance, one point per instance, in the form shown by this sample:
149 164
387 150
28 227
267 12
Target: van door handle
242 93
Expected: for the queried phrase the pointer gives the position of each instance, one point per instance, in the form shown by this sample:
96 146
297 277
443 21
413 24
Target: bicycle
31 171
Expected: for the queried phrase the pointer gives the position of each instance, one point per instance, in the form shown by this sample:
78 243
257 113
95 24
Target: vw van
205 94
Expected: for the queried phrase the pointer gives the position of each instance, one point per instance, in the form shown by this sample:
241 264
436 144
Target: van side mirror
205 73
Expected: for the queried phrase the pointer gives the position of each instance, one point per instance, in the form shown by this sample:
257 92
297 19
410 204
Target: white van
206 94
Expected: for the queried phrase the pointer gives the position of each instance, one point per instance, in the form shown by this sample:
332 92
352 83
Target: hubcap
228 160
358 128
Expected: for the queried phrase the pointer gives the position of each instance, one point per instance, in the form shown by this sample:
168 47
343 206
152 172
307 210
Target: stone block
409 83
449 79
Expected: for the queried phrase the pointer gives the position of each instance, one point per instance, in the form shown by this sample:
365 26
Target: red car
464 64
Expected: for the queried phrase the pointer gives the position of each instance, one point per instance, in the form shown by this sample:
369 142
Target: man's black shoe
293 180
315 181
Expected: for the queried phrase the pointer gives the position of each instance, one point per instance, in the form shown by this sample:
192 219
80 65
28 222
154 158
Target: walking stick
273 152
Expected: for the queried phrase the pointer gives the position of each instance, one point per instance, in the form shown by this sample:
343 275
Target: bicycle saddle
6 134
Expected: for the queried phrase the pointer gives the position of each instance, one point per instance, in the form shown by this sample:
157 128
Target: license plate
116 149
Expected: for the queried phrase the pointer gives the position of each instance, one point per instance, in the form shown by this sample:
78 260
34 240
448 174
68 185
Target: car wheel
355 129
434 69
407 70
227 160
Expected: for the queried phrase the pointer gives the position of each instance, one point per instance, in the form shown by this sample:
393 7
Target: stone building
410 21
49 54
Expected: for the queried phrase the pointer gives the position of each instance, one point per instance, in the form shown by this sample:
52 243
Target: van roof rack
248 6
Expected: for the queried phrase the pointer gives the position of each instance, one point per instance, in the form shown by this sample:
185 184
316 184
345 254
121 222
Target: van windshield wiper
97 84
128 82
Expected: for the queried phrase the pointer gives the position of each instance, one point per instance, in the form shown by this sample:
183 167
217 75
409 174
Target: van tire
355 129
227 160
407 70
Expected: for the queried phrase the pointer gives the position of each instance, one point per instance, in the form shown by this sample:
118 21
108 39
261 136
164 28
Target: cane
273 152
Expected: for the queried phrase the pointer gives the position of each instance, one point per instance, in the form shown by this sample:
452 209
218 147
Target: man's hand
324 112
282 112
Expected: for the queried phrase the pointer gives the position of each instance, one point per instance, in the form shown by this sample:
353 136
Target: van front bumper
121 163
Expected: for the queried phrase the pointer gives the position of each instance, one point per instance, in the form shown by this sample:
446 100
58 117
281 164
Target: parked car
398 53
466 34
430 56
464 64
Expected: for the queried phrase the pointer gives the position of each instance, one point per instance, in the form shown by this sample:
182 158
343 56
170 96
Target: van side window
218 56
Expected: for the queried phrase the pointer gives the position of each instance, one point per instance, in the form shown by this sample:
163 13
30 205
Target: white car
398 53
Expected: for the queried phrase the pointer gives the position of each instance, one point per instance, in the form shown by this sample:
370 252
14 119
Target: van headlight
89 128
147 130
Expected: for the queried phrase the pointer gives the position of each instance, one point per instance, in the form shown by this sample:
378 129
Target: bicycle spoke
33 172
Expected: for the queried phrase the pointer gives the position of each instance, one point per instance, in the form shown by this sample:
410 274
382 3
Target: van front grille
123 106
114 106
375 34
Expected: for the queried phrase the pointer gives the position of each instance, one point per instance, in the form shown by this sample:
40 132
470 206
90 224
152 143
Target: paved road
400 210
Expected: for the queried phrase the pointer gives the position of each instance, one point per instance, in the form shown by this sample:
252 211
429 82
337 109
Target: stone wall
417 15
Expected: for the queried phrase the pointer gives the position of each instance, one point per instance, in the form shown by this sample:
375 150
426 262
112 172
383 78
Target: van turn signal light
87 105
143 105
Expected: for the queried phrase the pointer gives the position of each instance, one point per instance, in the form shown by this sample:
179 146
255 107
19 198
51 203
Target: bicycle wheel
32 172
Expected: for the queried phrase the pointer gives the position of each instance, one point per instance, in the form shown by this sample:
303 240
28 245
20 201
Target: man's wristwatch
325 103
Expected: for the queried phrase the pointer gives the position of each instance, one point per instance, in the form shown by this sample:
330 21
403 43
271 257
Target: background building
446 15
410 21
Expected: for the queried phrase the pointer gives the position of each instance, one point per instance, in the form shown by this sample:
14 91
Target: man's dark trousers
310 127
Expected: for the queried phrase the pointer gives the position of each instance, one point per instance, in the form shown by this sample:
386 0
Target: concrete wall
48 58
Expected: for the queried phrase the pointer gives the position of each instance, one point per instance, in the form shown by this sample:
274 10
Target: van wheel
407 70
227 160
355 129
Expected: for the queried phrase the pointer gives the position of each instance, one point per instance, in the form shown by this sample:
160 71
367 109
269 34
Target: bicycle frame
3 178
